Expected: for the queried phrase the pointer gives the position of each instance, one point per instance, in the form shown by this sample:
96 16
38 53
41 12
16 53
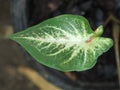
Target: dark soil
11 57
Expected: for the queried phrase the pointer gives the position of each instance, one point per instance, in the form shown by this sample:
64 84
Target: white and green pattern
65 43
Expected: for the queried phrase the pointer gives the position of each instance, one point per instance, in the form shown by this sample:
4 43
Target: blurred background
19 71
11 56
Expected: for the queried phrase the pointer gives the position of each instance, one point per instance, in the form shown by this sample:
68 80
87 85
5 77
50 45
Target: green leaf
65 43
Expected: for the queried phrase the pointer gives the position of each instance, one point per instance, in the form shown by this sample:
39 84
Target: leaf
65 43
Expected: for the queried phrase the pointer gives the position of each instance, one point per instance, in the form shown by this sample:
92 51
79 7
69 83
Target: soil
10 59
11 56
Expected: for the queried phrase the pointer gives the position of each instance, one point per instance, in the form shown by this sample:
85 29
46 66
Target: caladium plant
65 43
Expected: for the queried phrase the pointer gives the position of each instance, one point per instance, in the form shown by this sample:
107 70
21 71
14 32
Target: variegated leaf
65 43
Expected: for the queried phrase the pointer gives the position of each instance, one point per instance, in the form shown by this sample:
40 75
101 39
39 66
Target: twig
116 33
37 79
111 18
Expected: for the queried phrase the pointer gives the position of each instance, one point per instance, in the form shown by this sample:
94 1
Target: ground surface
11 56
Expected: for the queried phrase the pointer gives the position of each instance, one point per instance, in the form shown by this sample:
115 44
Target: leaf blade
60 43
